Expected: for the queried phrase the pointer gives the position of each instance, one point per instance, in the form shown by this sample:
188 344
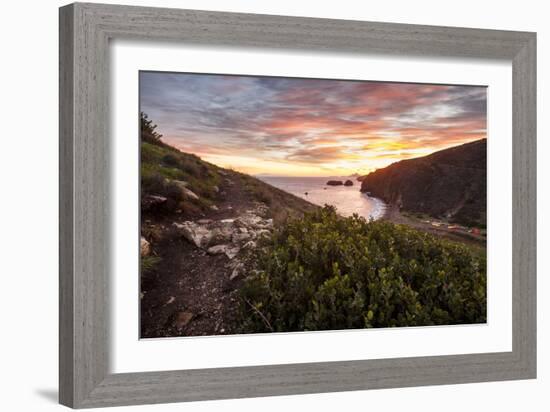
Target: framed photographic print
258 205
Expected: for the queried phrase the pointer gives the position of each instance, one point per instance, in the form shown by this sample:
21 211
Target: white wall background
28 205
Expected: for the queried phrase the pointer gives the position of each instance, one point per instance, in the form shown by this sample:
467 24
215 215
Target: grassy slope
162 166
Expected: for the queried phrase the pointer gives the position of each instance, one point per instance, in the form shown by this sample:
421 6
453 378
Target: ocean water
347 199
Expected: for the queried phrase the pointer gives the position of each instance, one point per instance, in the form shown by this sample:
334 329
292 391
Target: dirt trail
190 292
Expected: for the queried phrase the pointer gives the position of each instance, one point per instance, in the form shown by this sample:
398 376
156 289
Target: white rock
237 271
231 252
217 250
199 235
184 188
188 193
144 247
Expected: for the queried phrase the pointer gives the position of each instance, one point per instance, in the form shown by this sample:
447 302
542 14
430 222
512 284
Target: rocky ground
193 289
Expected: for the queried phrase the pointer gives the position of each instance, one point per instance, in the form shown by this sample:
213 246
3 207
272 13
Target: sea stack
335 183
348 183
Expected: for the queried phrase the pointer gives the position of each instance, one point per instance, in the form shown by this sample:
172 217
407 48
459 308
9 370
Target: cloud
319 154
310 121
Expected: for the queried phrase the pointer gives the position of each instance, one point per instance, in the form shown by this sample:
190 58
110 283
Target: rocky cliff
450 183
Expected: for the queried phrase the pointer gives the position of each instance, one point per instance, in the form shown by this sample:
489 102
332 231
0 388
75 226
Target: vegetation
328 272
148 263
165 170
148 128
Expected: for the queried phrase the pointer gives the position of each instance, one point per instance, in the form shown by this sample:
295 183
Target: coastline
381 208
347 199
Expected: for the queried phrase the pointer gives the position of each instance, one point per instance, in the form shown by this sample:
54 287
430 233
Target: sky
309 127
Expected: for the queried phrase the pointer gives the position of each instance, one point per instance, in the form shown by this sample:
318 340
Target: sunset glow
309 127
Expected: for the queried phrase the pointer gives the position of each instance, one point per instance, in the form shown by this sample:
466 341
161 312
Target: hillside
178 183
199 225
449 184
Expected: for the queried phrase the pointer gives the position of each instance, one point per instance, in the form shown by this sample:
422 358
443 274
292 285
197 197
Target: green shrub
152 182
328 272
170 160
148 263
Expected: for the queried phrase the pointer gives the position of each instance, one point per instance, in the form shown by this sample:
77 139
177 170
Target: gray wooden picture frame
85 32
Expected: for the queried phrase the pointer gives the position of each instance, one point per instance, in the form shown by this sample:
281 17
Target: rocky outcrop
348 183
335 183
227 236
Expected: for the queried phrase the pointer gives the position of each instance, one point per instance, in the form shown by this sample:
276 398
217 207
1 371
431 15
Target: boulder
197 234
183 186
152 202
189 194
144 247
348 183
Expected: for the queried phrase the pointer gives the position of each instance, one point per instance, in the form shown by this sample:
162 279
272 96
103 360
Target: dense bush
328 272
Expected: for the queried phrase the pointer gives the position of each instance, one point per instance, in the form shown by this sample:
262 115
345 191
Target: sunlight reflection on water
347 199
